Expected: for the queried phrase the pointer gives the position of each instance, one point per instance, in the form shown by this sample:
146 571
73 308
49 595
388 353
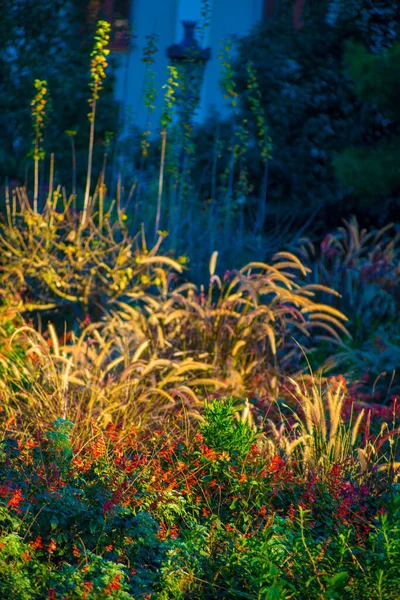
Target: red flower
98 448
113 585
80 464
108 506
15 500
37 543
174 532
276 464
208 453
291 513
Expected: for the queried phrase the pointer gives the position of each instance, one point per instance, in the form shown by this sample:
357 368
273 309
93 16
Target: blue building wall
164 18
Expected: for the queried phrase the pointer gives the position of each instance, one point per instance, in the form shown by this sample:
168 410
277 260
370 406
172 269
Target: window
270 6
117 13
298 11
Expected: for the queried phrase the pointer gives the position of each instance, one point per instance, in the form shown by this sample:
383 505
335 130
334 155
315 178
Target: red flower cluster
164 532
37 544
15 500
113 585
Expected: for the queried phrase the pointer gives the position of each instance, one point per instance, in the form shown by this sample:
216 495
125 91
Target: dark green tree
49 40
309 99
372 172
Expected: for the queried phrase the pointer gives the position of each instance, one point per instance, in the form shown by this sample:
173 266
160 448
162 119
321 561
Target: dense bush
215 512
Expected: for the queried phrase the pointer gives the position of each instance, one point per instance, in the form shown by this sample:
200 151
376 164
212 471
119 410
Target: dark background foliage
48 40
329 97
322 94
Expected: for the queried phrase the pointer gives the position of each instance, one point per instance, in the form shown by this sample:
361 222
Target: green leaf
53 522
338 581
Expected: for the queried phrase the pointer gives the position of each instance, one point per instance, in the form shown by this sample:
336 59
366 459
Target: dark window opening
270 7
117 13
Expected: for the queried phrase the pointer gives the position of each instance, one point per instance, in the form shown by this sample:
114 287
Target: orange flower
208 453
88 585
162 532
52 546
98 448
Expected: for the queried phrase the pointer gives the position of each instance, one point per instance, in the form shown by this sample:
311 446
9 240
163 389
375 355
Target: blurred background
284 120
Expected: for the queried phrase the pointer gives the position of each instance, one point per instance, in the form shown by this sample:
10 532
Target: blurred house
133 20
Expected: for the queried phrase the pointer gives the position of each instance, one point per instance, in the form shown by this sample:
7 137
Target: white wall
164 17
229 17
148 17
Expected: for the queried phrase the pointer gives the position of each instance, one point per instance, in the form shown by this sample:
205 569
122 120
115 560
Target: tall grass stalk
213 200
228 86
71 135
98 65
160 180
263 140
51 179
166 120
38 114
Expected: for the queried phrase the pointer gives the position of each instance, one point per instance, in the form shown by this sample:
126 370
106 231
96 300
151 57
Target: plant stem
160 181
260 219
181 190
51 179
229 192
73 154
36 183
90 159
212 220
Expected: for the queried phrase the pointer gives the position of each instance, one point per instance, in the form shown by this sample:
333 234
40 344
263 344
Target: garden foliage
215 513
161 437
